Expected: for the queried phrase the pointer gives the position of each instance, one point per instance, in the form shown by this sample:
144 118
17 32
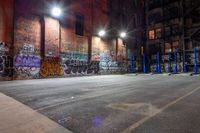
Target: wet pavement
114 103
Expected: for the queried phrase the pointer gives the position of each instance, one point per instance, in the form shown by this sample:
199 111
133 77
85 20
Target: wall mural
27 40
76 64
27 62
5 61
74 58
51 67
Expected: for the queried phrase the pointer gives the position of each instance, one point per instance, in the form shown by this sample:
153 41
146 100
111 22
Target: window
79 24
151 34
158 33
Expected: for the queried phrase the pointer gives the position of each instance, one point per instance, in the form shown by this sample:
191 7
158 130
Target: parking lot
114 103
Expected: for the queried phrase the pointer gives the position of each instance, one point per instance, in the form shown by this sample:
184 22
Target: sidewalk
16 117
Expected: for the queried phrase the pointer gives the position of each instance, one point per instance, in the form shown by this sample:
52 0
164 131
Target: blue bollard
169 64
175 62
184 63
144 63
195 61
158 63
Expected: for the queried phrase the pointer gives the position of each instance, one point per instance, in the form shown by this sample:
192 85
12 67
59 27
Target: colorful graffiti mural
5 61
76 64
27 62
51 67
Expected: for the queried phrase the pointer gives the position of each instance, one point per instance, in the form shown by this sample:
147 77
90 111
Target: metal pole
144 63
175 62
158 63
132 65
184 62
169 64
195 61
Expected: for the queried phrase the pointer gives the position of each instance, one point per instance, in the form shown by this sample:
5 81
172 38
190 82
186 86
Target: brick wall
37 34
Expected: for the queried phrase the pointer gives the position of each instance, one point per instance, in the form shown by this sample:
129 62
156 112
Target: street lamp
56 11
102 33
123 34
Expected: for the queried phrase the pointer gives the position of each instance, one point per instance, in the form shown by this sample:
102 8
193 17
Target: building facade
34 44
172 28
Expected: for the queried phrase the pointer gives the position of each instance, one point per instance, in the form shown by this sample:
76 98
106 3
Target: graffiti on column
51 67
5 61
27 62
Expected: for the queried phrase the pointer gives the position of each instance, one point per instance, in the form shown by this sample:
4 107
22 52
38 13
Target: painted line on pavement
142 121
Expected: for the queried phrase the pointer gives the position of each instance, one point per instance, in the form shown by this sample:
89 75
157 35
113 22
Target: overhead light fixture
123 34
102 33
56 11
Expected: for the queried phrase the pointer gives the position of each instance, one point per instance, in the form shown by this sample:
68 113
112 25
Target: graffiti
74 55
76 67
5 61
51 67
5 66
3 48
27 49
108 63
75 63
27 62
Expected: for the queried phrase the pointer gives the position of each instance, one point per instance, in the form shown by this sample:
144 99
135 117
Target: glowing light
102 33
123 34
56 12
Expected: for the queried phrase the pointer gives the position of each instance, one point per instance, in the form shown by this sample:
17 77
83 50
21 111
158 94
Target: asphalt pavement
114 103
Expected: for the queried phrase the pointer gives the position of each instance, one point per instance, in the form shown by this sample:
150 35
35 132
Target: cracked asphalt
114 103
